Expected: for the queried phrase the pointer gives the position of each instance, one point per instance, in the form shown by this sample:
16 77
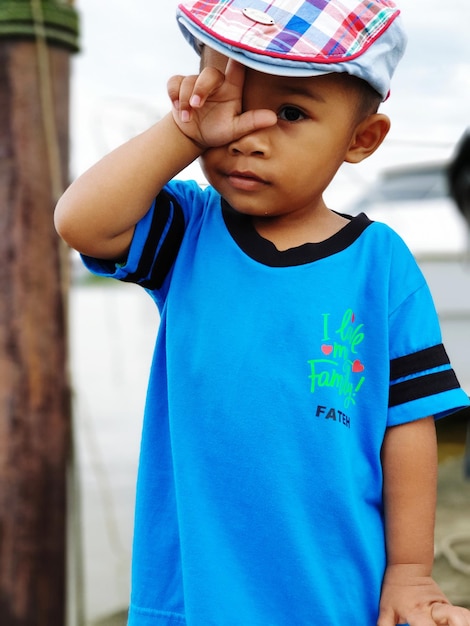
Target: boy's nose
253 144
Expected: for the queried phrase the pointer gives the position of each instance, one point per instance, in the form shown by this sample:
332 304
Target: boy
288 463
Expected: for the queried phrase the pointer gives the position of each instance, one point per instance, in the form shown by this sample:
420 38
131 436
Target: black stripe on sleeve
152 270
169 249
416 388
427 359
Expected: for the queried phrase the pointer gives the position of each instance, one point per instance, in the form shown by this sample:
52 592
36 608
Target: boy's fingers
173 88
187 92
186 89
208 81
253 120
179 88
448 614
235 74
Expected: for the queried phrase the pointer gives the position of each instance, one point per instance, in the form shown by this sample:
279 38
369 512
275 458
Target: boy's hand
417 600
209 110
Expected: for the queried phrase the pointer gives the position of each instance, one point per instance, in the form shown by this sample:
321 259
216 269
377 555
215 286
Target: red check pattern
319 31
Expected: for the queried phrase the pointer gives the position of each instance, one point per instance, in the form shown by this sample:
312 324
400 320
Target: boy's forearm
409 458
98 212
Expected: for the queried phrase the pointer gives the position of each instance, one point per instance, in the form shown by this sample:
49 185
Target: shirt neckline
245 235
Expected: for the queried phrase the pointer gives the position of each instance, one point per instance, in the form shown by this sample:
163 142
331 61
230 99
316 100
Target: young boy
288 464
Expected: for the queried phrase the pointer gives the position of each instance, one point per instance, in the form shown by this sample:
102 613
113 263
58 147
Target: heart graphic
357 366
326 349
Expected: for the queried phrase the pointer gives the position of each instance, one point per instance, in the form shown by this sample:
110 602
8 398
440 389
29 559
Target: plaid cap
364 38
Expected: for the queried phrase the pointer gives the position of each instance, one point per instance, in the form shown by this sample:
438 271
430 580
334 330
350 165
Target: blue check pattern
319 31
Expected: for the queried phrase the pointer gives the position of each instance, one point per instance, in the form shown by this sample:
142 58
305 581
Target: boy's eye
291 114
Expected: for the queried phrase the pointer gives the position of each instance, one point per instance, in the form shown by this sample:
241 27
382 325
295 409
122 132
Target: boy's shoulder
382 232
190 190
191 197
388 252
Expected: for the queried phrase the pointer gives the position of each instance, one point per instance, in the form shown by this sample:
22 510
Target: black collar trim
241 229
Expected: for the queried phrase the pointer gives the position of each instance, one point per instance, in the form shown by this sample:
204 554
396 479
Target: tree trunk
34 391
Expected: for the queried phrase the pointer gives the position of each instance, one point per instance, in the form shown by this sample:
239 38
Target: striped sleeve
422 380
421 374
154 247
163 239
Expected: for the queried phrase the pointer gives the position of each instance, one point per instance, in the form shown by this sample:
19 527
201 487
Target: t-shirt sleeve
156 240
422 380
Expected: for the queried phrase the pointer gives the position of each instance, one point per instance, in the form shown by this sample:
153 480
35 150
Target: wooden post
34 389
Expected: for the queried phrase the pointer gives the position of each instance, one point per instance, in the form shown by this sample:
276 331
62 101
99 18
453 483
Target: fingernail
184 115
195 101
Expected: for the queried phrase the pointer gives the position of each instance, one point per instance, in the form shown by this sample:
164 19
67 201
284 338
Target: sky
129 50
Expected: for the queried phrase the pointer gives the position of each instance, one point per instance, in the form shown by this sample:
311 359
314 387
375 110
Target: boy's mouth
245 180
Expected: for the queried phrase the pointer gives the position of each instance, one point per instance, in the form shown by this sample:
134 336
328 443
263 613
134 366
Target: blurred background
127 52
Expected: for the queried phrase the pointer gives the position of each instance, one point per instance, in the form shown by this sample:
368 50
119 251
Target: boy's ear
367 137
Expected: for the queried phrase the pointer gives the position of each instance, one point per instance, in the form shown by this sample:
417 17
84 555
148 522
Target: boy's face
284 169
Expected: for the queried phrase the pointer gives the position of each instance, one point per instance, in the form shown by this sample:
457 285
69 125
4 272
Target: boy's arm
98 212
409 594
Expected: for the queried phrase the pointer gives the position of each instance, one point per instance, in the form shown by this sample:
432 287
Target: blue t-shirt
275 376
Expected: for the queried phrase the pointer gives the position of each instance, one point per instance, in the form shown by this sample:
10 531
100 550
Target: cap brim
262 63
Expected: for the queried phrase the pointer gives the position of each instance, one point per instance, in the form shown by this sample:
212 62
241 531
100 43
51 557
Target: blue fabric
259 497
